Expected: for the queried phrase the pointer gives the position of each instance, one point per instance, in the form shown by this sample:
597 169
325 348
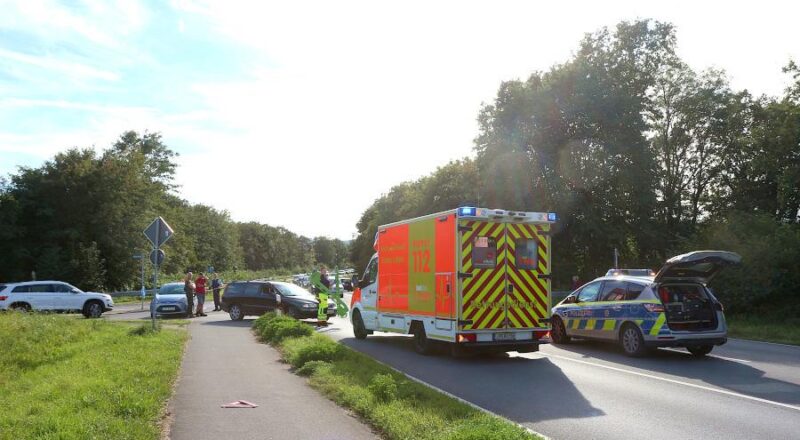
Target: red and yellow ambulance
477 279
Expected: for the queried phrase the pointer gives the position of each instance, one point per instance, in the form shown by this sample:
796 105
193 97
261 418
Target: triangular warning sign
240 404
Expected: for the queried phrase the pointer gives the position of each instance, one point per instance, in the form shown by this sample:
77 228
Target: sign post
141 258
158 233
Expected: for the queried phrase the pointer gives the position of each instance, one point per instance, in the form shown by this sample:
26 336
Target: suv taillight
653 307
3 298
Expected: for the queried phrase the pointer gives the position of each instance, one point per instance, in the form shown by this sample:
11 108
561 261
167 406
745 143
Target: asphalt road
587 390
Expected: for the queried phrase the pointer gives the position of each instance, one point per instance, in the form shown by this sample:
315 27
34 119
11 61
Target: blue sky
278 107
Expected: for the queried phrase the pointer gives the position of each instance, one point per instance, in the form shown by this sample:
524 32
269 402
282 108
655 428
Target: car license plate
504 336
168 309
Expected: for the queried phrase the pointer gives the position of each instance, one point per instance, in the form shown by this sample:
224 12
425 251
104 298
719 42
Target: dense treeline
635 151
80 216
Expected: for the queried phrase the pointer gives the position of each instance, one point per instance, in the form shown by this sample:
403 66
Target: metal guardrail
136 293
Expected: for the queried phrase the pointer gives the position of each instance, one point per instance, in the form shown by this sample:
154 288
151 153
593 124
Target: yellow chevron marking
659 323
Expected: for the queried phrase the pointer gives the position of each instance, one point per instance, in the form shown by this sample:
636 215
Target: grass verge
761 328
397 407
70 378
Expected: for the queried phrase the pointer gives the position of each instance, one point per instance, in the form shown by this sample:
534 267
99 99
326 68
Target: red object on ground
240 404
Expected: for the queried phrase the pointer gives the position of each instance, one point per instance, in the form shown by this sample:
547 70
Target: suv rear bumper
687 342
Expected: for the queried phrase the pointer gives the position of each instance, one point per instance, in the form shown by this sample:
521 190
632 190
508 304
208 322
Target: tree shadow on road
522 389
728 374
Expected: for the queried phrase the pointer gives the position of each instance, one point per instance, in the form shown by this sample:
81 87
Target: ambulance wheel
700 350
359 330
632 341
559 333
422 344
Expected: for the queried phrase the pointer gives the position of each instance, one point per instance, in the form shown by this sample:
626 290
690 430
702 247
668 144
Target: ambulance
468 279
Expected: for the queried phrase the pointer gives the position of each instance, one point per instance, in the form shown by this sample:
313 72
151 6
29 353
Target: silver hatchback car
674 308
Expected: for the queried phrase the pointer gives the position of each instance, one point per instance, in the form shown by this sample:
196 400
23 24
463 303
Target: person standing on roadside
188 290
322 311
200 293
216 286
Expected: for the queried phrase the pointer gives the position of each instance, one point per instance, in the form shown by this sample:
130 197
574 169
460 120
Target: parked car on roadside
170 301
54 296
674 308
243 298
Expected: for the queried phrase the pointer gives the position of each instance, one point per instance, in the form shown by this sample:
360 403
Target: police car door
581 311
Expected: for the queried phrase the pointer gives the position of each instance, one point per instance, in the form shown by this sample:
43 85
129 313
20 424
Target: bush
282 327
383 387
316 347
311 367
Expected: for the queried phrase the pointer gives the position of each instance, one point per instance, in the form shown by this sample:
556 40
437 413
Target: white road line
678 382
745 361
765 342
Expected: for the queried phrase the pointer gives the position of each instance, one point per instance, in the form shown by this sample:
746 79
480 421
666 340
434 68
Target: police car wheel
700 350
559 333
632 341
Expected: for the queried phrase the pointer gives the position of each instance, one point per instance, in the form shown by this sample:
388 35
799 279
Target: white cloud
339 101
70 68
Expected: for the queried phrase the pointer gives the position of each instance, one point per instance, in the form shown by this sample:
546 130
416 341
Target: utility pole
616 258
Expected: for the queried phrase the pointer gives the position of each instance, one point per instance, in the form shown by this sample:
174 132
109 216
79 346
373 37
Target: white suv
53 296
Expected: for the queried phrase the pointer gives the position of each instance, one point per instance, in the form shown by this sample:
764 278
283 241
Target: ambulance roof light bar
471 211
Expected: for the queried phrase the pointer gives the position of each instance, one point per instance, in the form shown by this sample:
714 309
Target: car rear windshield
2 287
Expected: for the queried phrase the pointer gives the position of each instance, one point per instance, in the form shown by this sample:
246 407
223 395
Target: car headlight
308 306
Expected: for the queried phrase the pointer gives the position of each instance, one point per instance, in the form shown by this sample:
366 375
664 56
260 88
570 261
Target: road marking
678 382
765 342
675 350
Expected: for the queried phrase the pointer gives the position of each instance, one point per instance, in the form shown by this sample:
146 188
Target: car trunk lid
698 266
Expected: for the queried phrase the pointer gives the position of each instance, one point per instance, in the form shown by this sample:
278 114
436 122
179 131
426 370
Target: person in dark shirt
216 286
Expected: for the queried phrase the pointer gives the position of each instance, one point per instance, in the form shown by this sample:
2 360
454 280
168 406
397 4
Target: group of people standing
195 290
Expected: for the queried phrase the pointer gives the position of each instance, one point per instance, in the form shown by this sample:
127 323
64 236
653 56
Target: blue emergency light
552 217
467 211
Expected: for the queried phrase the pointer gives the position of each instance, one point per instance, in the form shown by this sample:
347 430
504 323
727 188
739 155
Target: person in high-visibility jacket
322 311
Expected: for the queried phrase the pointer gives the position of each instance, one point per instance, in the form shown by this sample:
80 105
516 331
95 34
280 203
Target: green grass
762 328
396 406
68 378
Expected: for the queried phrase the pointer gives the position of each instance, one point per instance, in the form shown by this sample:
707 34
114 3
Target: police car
674 308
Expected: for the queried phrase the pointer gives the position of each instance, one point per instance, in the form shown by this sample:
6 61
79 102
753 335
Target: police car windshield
287 289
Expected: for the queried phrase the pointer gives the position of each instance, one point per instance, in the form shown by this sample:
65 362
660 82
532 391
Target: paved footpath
224 363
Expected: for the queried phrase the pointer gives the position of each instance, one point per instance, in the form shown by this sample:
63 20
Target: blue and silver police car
674 308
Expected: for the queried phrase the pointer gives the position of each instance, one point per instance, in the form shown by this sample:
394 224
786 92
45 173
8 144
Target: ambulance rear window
525 253
484 252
